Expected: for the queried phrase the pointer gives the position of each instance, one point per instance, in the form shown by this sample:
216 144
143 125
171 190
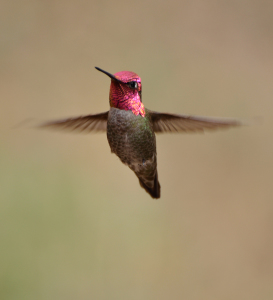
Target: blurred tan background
74 223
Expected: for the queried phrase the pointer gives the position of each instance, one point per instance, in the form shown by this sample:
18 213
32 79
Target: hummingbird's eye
132 84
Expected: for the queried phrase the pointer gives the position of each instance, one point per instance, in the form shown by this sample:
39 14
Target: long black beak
108 74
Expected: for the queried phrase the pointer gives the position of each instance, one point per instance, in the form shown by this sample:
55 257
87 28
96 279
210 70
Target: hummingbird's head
125 91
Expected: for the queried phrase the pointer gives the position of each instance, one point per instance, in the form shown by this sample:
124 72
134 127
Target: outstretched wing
163 122
81 124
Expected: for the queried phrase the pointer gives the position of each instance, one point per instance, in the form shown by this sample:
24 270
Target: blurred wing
81 124
178 123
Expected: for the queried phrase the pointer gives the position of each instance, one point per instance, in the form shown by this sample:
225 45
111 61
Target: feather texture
89 123
163 122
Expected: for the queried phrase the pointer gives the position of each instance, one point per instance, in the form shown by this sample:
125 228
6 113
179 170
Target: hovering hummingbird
131 127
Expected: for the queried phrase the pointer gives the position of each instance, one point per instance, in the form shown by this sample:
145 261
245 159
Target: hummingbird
131 127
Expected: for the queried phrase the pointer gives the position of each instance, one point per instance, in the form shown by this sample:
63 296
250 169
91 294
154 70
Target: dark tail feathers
155 190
